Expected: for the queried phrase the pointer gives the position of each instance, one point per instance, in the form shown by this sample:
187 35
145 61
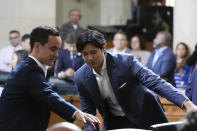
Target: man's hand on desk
189 106
87 118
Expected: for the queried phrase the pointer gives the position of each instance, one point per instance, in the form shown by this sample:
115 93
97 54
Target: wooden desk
173 112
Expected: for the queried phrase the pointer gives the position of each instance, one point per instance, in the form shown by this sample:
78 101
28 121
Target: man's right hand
87 118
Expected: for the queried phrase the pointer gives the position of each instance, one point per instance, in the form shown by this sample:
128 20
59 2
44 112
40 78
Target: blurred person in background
182 70
7 52
162 60
69 60
25 42
18 57
64 126
192 60
72 25
138 49
120 43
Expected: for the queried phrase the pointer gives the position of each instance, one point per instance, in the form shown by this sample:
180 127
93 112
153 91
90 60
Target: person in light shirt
120 44
7 52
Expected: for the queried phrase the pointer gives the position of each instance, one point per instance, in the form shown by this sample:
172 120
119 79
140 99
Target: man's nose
90 57
56 54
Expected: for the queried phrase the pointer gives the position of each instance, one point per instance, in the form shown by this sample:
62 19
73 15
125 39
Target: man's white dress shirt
107 92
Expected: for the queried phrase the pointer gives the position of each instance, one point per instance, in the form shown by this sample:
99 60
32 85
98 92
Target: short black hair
41 33
14 31
92 37
21 55
25 37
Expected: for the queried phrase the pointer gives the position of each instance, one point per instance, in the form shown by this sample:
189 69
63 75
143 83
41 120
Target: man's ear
36 46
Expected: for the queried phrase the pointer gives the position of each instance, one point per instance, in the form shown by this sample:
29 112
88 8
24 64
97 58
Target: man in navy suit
69 60
191 91
119 87
162 60
27 99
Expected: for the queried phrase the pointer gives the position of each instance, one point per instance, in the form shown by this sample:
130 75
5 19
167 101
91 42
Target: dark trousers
118 122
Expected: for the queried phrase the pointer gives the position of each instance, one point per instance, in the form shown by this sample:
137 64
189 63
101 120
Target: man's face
72 47
159 39
74 16
120 41
15 39
93 56
48 53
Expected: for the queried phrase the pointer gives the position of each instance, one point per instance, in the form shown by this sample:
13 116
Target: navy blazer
64 61
191 90
27 100
141 106
164 66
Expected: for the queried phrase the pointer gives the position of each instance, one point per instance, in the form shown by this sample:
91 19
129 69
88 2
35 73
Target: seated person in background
191 90
138 49
192 60
7 52
182 71
72 26
120 44
162 60
25 42
17 57
190 122
64 126
69 60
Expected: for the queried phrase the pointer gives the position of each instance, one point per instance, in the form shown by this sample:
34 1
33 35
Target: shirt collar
44 68
103 68
123 51
160 50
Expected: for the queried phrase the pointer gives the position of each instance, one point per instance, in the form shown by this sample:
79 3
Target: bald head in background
64 126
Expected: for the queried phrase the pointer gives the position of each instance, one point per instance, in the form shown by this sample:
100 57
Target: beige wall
90 10
24 15
185 22
95 12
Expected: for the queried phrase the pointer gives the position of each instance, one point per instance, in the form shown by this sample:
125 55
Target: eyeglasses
15 37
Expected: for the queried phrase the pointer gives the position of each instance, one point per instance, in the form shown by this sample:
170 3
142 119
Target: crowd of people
106 78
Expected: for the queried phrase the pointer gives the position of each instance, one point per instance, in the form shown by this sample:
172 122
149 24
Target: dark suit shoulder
64 52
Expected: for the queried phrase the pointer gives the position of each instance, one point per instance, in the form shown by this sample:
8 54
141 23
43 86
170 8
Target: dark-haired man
27 99
7 52
118 86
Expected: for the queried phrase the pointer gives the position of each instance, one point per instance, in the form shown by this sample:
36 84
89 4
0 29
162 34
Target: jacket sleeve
85 101
155 83
40 90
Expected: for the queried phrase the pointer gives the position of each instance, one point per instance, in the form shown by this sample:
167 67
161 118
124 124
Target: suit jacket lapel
92 86
113 74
